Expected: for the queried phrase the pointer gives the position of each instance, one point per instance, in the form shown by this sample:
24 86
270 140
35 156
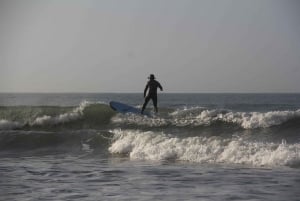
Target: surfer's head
151 77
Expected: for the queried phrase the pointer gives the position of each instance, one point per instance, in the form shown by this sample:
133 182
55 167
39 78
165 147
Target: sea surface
197 147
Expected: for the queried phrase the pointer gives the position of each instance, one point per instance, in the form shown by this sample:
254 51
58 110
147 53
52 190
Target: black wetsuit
152 85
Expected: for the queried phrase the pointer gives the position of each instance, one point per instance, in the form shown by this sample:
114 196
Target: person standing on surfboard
152 85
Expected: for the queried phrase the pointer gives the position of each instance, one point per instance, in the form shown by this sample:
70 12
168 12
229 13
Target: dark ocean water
198 147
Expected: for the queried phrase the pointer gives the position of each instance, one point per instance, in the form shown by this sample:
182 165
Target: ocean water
198 147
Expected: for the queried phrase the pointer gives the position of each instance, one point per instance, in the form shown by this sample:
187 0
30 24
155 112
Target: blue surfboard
123 108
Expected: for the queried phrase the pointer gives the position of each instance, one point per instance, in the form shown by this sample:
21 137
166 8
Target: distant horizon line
167 92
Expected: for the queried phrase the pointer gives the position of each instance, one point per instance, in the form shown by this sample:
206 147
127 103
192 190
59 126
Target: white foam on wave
260 120
159 146
187 111
180 118
192 118
133 119
62 118
203 117
8 125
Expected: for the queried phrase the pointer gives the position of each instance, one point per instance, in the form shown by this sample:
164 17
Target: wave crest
8 125
62 118
194 117
86 115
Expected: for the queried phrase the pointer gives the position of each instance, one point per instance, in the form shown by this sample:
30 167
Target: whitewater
198 147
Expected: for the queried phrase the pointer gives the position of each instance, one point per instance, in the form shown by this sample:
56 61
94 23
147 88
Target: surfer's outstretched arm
161 88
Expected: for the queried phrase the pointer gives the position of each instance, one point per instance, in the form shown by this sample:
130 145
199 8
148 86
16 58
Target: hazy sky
113 45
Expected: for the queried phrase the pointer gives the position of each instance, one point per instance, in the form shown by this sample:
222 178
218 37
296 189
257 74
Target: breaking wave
86 115
151 145
247 120
9 125
94 115
195 117
61 118
90 115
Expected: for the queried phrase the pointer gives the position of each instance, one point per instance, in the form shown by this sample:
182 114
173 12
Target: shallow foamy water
67 177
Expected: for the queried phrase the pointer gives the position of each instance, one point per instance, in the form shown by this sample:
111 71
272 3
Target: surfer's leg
154 100
145 103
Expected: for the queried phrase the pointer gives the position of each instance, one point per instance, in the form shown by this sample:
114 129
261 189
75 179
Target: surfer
152 85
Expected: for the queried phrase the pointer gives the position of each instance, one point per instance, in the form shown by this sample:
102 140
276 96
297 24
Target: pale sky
113 45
